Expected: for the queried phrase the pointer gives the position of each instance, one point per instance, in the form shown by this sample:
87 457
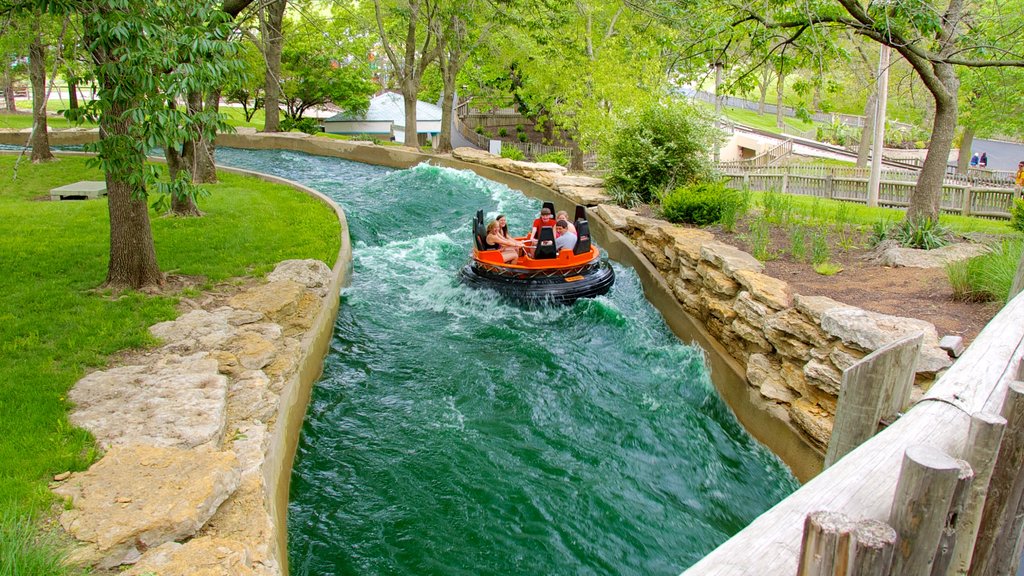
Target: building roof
390 106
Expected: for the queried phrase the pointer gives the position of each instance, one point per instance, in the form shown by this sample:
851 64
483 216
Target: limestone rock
938 258
792 323
729 259
754 337
686 244
616 217
870 331
277 300
843 356
176 401
716 281
200 329
771 291
579 181
764 374
585 196
813 421
252 350
312 274
824 376
139 497
721 309
249 443
199 557
750 310
251 398
244 517
814 306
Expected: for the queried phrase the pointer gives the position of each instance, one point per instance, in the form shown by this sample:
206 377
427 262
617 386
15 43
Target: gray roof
390 106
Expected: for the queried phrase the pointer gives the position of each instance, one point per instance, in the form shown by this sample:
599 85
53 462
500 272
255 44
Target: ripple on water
455 433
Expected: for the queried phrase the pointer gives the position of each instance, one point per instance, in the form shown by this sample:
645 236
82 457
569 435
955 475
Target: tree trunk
964 155
780 87
9 94
37 72
273 42
576 163
867 132
132 254
409 94
72 94
444 142
763 87
927 195
205 169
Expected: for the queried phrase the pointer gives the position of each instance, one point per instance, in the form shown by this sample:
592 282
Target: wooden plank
862 484
983 438
951 529
875 545
826 544
996 545
876 387
924 492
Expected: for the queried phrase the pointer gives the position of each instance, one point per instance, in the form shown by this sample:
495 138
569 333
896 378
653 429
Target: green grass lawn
55 325
764 121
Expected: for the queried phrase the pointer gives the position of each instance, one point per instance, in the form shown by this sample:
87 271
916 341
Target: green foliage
986 278
523 137
556 156
798 243
502 131
759 237
56 326
777 208
660 148
838 133
700 204
828 268
1017 215
623 197
520 129
512 153
27 550
922 233
819 248
479 129
880 231
307 125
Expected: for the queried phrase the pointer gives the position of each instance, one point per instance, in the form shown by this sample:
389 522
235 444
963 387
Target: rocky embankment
792 347
181 488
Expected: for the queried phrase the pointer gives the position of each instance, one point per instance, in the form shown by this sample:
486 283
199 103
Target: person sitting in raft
509 247
503 225
563 215
564 238
545 220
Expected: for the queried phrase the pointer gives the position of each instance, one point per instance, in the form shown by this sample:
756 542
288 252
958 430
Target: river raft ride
546 275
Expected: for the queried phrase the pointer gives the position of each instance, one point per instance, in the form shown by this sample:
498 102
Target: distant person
563 215
564 238
974 160
510 247
1018 179
546 220
983 161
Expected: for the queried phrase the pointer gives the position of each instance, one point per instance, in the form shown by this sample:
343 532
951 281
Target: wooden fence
944 476
848 184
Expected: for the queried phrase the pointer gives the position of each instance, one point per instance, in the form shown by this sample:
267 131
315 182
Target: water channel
453 433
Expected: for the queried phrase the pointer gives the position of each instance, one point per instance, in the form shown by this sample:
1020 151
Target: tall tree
40 140
410 58
272 34
460 28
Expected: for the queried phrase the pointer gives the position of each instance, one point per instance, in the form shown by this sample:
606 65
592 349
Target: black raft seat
545 244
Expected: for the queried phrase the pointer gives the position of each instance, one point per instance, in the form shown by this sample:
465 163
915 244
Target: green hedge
701 204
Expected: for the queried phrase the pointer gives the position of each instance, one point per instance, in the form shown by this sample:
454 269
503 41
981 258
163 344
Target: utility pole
882 91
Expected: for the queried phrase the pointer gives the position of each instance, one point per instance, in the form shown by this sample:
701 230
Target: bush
502 132
1017 215
307 125
479 129
700 204
523 137
987 277
558 157
512 153
660 148
519 128
922 233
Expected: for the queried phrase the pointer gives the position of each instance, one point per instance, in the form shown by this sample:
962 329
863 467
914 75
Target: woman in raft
496 240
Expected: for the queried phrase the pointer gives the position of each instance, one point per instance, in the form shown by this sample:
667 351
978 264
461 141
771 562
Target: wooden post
873 553
950 532
1018 285
825 549
876 387
924 491
785 180
995 548
965 208
983 440
829 187
746 181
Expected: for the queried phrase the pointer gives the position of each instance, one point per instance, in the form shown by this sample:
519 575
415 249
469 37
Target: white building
385 119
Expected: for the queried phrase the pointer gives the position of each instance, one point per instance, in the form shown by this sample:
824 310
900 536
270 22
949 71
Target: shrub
921 233
820 252
512 153
523 137
624 198
502 132
307 125
519 128
700 204
759 237
798 243
880 232
828 268
1017 215
557 156
479 129
987 277
660 148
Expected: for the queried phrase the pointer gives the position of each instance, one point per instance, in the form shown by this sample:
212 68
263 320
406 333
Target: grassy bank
55 325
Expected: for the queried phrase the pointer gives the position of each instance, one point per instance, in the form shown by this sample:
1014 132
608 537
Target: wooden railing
951 422
851 184
762 160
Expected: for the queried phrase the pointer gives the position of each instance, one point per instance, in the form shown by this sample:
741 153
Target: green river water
453 433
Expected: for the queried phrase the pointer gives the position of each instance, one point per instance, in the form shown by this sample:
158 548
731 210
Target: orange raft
545 275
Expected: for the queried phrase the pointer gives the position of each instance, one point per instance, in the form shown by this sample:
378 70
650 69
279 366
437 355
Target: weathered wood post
877 387
995 551
950 531
829 185
785 180
983 440
746 180
826 546
924 492
965 208
875 544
